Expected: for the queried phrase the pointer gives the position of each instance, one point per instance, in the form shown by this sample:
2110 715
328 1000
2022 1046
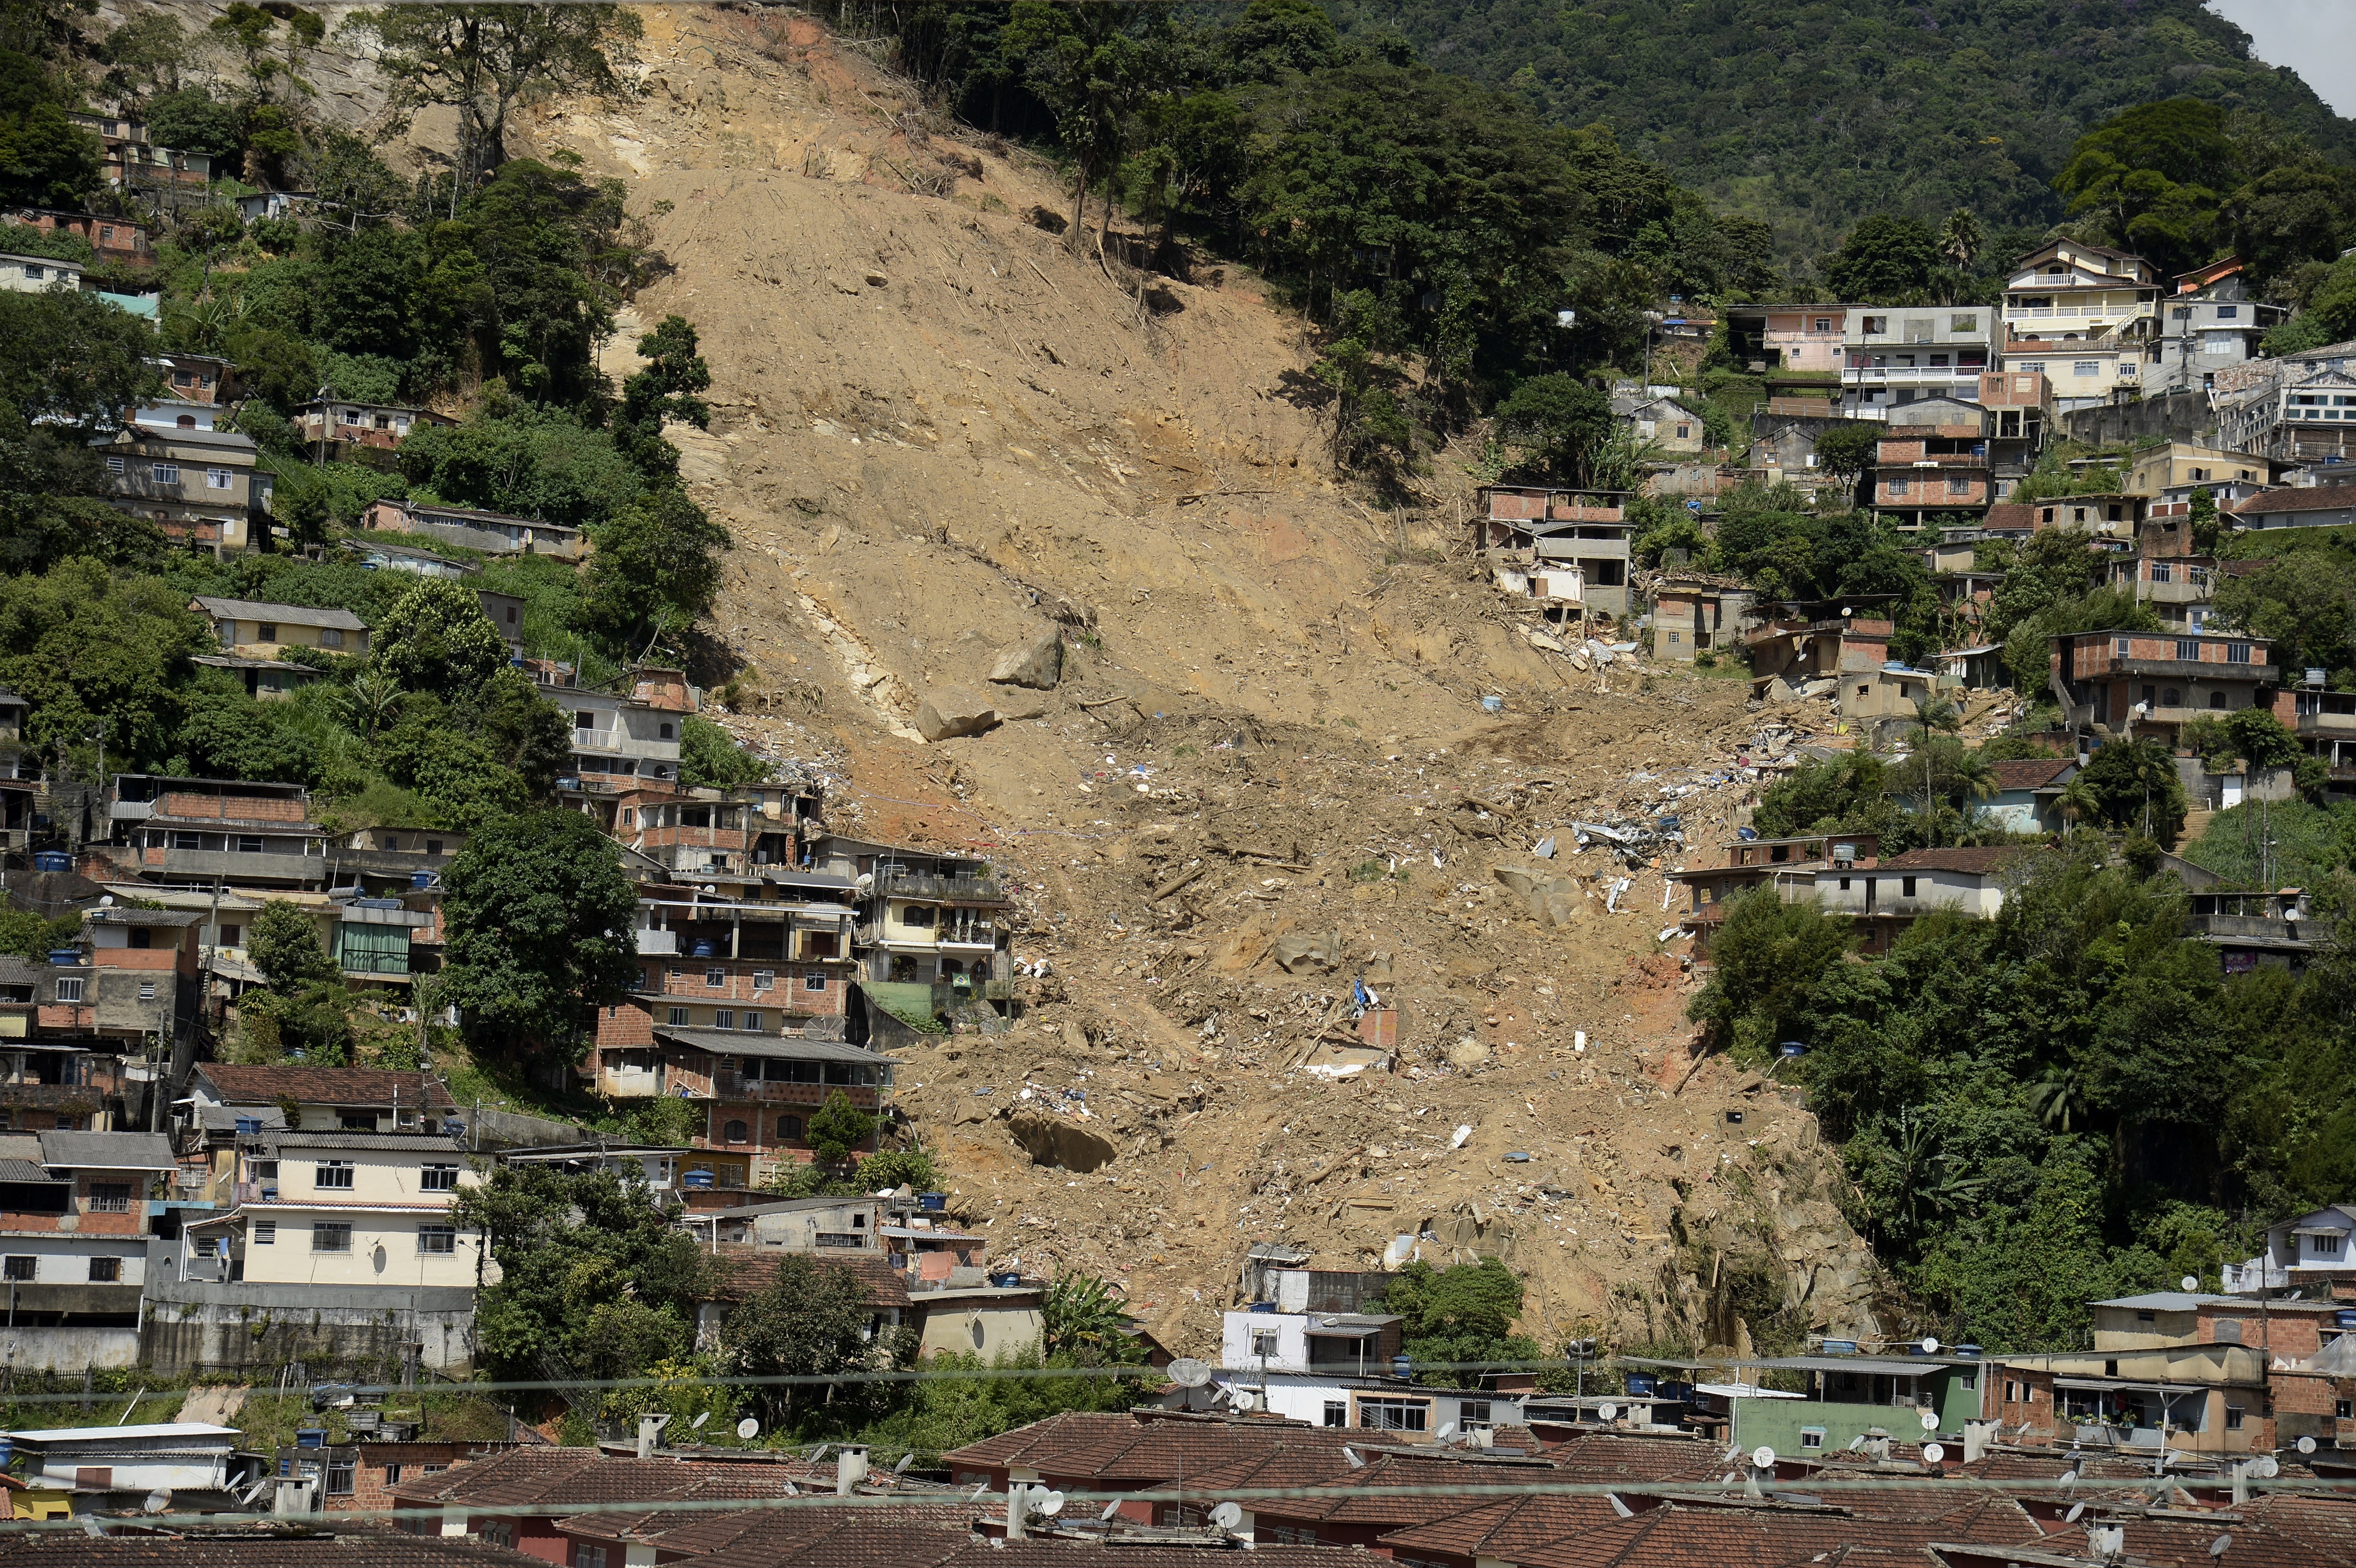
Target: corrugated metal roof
108 1151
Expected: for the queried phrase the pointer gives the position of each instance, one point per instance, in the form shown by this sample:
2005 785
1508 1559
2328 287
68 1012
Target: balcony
894 883
2334 725
235 866
728 1085
613 743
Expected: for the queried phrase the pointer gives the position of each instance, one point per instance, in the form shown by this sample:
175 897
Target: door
1871 883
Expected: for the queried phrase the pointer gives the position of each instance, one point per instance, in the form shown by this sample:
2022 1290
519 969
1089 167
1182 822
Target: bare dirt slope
1265 777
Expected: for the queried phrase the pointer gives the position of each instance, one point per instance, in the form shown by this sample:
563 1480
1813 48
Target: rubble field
1261 794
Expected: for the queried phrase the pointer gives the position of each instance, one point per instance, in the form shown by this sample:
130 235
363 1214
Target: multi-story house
2294 407
341 425
754 966
195 378
2294 506
1789 336
148 967
2113 517
1934 463
2180 589
208 832
1892 357
133 162
2309 1254
2019 405
37 275
348 1235
2155 682
256 629
1533 525
2085 316
2212 321
711 832
619 742
63 1081
200 486
329 1099
493 533
923 917
76 1211
754 1094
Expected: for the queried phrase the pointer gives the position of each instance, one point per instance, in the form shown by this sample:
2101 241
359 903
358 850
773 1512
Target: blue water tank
1643 1385
704 948
2344 1318
52 860
932 1202
696 1178
1007 1281
249 1126
68 955
310 1438
420 880
1841 1347
1402 1366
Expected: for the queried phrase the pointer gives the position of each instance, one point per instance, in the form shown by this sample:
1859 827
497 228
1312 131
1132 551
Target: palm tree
2059 1098
2078 802
1933 713
1959 238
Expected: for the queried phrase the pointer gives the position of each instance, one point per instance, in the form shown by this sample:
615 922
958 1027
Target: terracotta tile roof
1375 1495
1677 1535
355 1548
1625 1456
559 1479
2013 515
2296 498
1505 1528
326 1085
746 1271
2030 773
1056 1554
744 1482
1130 1449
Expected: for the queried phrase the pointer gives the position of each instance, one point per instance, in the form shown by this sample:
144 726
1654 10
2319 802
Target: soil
939 428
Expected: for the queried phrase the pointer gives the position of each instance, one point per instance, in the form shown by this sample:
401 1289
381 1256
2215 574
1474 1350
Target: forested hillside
1811 116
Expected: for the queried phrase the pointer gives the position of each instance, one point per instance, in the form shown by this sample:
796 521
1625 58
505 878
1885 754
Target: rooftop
107 1151
1974 861
2296 498
2030 773
288 614
241 1085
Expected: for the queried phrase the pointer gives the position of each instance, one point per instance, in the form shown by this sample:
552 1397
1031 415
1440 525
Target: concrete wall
2180 416
200 1325
71 1349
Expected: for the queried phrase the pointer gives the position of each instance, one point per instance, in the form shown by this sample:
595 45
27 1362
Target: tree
710 758
1560 421
1274 37
436 639
1770 957
839 1129
67 354
487 61
283 944
1461 1314
1847 451
2148 174
812 1321
1081 1317
654 569
97 656
664 390
539 917
226 735
594 1278
2134 785
1959 238
1887 259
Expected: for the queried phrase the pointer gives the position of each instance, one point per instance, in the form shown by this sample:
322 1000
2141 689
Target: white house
32 274
1330 1369
343 1208
2310 1250
2295 506
174 1456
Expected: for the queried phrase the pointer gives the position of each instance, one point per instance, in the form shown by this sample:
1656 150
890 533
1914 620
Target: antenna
2189 1282
2075 1509
905 1459
1934 1453
1930 1344
1188 1372
1110 1509
1929 1419
157 1502
2218 1547
748 1429
1608 1411
1352 1454
1228 1515
1763 1457
1447 1430
2306 1445
1047 1505
697 1424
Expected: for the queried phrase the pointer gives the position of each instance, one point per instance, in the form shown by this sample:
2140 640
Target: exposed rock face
951 712
1036 662
1551 900
1060 1141
1308 952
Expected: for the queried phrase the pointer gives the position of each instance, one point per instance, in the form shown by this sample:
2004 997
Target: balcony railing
895 883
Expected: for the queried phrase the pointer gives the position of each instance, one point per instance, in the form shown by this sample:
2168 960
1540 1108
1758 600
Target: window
1395 1414
2163 572
1876 326
737 1133
2119 647
333 637
789 1129
664 732
1684 431
1812 1436
2216 700
230 935
1817 324
1959 485
725 1018
815 980
584 722
356 1121
1897 486
110 1197
753 1022
220 479
1264 1342
2324 1246
1906 887
334 1175
146 990
265 631
69 990
434 846
331 1236
393 1474
248 844
2086 368
264 1234
2344 1409
438 1239
2233 1418
765 979
2036 366
2237 653
585 1555
2171 697
2011 1392
715 977
341 1474
36 273
105 1271
2227 312
438 1179
679 1017
114 465
2187 650
1968 321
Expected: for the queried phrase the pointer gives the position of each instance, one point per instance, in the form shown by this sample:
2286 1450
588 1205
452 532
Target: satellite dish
2189 1282
1447 1430
1048 1505
1930 1344
157 1501
905 1460
1226 1516
1110 1509
697 1424
1934 1453
748 1429
1763 1457
2075 1509
2306 1445
1352 1454
1608 1411
2266 1469
1930 1421
1188 1372
2218 1547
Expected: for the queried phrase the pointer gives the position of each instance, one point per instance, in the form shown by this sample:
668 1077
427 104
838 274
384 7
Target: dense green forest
1814 115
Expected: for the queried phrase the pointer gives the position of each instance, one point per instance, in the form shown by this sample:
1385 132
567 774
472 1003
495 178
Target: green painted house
1841 1398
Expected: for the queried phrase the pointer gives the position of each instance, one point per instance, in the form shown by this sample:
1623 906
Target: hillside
1813 116
935 431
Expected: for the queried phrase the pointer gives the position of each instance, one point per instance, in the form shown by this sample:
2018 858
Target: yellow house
343 1208
29 1500
252 629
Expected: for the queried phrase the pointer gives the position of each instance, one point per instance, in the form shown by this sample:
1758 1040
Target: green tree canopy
540 921
813 1319
436 639
1559 422
709 758
1462 1313
1887 259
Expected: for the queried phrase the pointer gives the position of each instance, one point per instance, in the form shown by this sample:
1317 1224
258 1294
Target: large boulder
1061 1142
951 712
1550 898
1036 662
1309 952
